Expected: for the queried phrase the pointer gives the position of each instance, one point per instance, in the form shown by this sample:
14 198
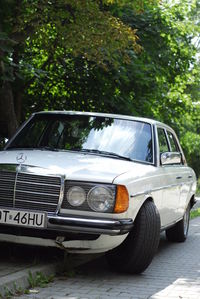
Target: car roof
119 116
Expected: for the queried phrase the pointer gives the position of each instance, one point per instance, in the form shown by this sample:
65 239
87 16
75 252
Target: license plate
23 218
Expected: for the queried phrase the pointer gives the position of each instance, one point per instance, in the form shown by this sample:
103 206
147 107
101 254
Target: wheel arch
192 201
139 203
147 198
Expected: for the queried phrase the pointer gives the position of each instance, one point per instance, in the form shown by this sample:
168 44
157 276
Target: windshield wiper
105 153
19 148
47 148
43 148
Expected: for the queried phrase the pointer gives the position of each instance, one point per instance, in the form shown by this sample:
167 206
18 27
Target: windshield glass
126 138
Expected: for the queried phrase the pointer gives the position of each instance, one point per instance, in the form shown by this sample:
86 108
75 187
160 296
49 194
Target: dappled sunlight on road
182 271
182 288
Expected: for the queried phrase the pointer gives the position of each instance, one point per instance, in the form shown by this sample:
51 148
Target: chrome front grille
29 191
7 184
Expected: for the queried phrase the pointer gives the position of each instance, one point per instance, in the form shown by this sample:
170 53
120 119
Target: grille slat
7 183
6 193
33 192
35 197
8 175
34 206
37 202
49 180
38 188
36 193
34 183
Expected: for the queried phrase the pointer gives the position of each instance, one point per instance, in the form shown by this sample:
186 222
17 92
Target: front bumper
74 233
90 225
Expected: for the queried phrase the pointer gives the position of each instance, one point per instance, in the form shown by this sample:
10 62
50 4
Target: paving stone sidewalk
17 262
173 274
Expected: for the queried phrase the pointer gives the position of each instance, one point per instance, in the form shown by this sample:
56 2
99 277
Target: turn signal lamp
122 199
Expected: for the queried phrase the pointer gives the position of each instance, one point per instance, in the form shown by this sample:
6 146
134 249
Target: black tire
137 251
179 232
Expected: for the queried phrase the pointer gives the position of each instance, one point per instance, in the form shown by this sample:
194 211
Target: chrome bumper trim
90 225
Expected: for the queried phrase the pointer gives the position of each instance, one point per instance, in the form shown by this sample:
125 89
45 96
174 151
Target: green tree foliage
129 57
152 82
37 36
169 36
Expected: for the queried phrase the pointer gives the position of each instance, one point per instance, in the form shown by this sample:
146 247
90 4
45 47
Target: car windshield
93 134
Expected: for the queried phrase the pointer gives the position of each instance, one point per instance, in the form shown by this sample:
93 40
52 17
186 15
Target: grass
198 187
195 213
9 293
37 280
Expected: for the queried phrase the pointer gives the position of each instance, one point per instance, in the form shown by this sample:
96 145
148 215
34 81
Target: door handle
189 176
179 177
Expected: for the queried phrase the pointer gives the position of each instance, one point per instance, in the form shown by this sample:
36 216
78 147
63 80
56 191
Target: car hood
75 166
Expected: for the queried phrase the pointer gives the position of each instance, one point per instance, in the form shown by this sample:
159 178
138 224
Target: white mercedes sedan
95 182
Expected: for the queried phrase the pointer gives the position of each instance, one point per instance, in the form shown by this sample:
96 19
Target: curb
10 283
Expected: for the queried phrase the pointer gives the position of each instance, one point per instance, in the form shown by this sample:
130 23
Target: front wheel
137 251
179 232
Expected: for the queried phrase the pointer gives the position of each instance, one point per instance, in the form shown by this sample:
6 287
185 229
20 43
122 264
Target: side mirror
168 158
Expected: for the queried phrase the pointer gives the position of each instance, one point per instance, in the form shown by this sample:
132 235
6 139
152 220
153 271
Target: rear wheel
179 232
137 251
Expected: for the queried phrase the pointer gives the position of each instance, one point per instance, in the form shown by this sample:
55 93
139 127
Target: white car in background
94 182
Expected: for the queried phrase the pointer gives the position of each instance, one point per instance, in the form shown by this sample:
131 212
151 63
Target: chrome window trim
153 145
168 141
166 128
166 137
178 144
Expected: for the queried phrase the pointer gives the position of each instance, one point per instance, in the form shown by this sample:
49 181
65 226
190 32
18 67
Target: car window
173 143
162 140
127 138
37 130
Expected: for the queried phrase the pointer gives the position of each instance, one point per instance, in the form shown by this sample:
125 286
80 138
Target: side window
173 143
162 140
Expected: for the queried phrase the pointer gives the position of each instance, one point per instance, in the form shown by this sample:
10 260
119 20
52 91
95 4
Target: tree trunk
8 117
18 106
